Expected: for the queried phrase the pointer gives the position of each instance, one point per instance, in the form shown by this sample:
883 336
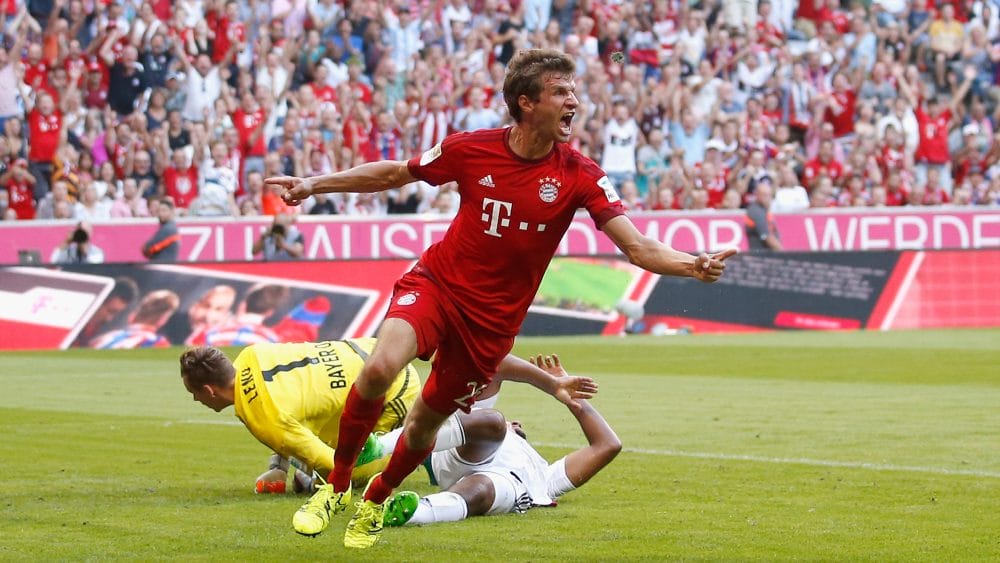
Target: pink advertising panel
405 237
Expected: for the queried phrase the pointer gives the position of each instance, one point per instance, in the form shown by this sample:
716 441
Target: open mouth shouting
566 123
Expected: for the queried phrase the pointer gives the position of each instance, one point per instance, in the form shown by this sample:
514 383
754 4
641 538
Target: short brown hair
206 365
526 75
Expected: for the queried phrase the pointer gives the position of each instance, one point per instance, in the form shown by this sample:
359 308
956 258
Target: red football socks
403 461
356 423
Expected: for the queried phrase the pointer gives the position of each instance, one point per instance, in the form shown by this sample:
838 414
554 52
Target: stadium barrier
131 305
340 238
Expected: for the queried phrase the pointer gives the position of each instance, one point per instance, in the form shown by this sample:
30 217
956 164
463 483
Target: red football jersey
933 147
246 123
44 131
512 216
182 186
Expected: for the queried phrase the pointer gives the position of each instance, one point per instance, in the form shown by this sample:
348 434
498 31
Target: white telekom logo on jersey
496 214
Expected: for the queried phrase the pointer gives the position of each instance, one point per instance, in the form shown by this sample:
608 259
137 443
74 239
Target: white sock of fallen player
439 507
450 435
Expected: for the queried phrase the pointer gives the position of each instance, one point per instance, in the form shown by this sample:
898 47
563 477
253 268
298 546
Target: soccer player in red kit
466 297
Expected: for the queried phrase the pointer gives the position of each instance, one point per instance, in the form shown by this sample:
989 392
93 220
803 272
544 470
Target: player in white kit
500 472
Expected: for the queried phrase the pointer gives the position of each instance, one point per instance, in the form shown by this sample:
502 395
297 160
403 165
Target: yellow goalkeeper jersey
291 396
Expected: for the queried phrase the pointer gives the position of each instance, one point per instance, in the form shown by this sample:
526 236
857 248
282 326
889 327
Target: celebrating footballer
464 301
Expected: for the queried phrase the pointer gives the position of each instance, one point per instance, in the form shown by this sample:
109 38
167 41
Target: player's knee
478 493
419 434
484 425
494 425
379 371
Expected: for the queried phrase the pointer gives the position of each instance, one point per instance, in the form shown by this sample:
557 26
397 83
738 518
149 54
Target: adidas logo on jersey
487 181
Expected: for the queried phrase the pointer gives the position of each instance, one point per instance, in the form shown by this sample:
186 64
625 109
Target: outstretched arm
545 373
654 256
367 178
603 445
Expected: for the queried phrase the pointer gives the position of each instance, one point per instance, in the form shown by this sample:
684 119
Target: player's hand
295 190
569 388
550 364
709 268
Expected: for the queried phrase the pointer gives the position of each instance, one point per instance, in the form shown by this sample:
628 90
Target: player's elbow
608 449
638 253
399 175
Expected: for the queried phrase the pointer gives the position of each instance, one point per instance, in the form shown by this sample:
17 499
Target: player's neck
528 144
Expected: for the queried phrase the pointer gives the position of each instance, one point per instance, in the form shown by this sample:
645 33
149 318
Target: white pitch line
738 457
800 461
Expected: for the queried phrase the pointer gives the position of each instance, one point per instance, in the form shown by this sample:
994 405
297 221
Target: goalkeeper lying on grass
291 396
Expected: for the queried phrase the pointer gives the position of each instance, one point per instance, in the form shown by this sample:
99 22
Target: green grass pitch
816 446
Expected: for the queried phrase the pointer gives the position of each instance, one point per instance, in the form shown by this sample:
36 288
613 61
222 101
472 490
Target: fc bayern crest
549 190
408 299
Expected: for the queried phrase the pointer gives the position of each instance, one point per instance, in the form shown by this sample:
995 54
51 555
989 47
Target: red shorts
465 357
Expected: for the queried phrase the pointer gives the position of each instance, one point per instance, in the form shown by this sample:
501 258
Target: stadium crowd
107 107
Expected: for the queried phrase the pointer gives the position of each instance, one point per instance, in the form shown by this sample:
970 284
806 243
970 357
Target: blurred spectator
651 161
165 244
753 89
621 136
58 198
19 182
935 123
77 248
130 203
91 206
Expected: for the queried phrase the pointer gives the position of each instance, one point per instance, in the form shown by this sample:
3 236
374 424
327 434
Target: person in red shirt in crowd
969 158
357 133
323 92
934 192
757 141
810 9
841 102
180 180
831 12
435 123
20 183
359 88
229 30
711 179
893 155
465 299
855 192
249 120
768 34
45 132
897 191
36 69
95 87
934 123
823 165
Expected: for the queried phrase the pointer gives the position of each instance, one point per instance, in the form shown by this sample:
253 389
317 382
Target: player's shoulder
578 163
478 137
